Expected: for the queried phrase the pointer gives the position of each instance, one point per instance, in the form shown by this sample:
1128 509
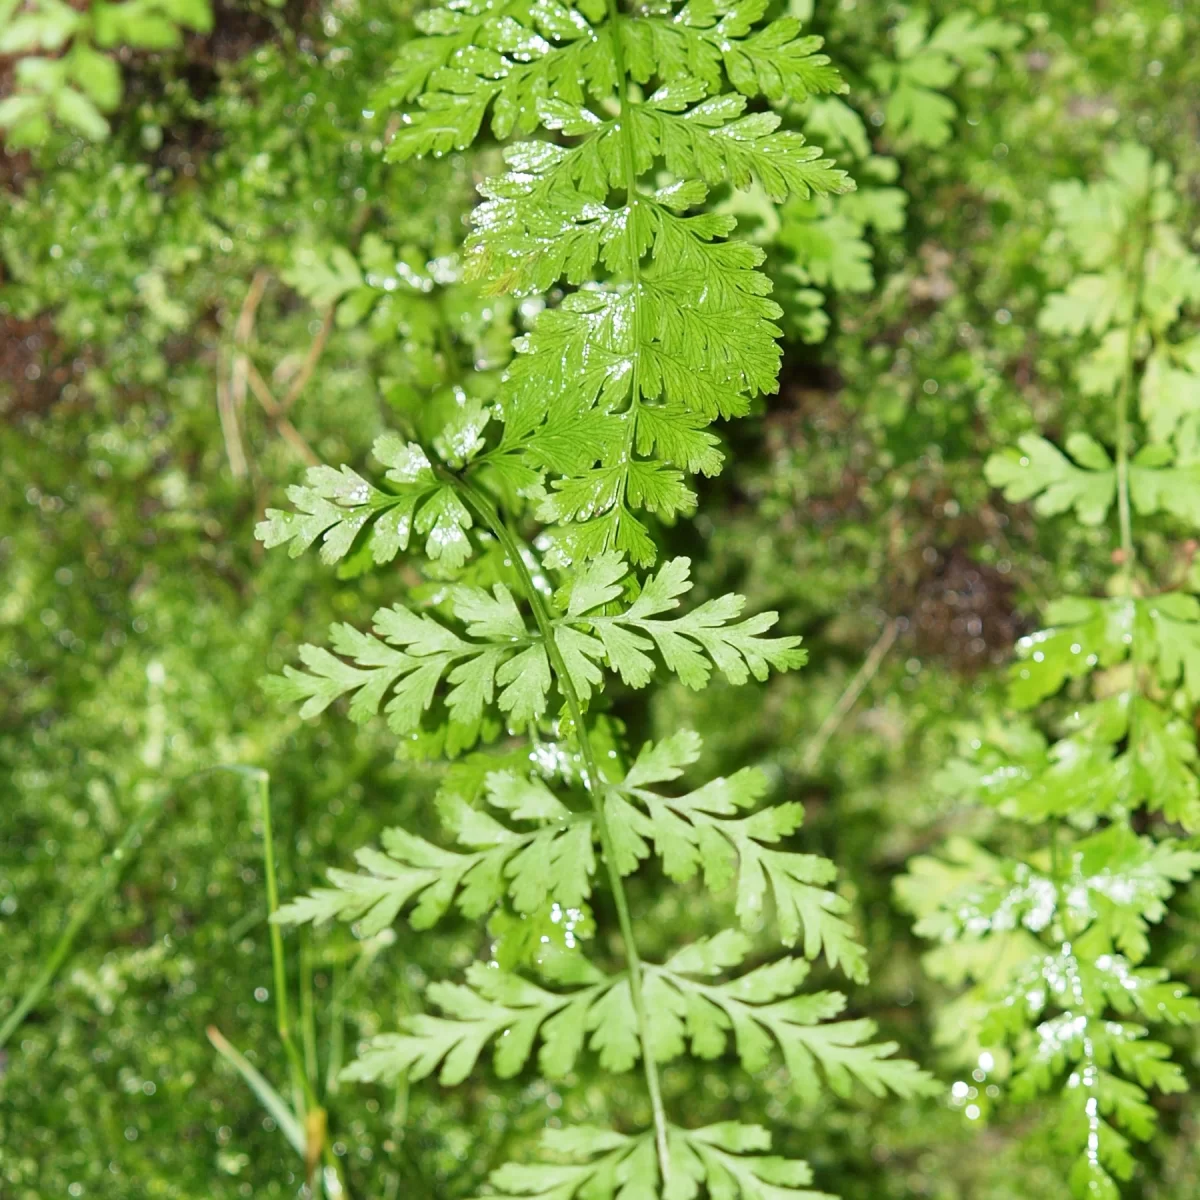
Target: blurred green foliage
62 72
144 432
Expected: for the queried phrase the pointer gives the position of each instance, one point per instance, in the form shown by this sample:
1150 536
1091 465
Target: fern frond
752 1012
416 657
727 1160
1062 1005
670 325
690 645
553 861
492 1006
1054 943
656 322
930 60
499 660
705 830
338 505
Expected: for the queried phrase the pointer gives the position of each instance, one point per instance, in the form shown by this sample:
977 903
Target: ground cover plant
644 750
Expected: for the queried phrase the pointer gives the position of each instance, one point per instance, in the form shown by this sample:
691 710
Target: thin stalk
614 16
308 1020
594 781
282 1114
282 1017
1124 392
1124 507
337 1033
1124 515
1056 877
242 926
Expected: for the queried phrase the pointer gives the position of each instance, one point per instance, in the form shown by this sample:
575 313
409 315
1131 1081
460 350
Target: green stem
282 1017
1124 507
1124 392
614 16
308 1018
1124 514
596 788
337 1033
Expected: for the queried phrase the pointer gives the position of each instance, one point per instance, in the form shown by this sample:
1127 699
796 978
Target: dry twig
227 411
273 409
815 748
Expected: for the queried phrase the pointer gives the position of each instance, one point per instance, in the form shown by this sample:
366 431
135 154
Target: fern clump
1055 942
658 324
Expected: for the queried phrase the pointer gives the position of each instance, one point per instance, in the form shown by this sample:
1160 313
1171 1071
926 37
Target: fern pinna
655 323
1055 941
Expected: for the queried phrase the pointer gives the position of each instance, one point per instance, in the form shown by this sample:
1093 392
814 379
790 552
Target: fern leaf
492 1006
764 1007
705 830
553 861
728 1159
690 646
338 505
670 326
1041 470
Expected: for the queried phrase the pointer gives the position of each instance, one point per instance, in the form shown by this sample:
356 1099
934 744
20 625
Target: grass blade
271 1100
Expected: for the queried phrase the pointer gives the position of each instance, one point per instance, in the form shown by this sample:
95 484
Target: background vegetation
215 281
